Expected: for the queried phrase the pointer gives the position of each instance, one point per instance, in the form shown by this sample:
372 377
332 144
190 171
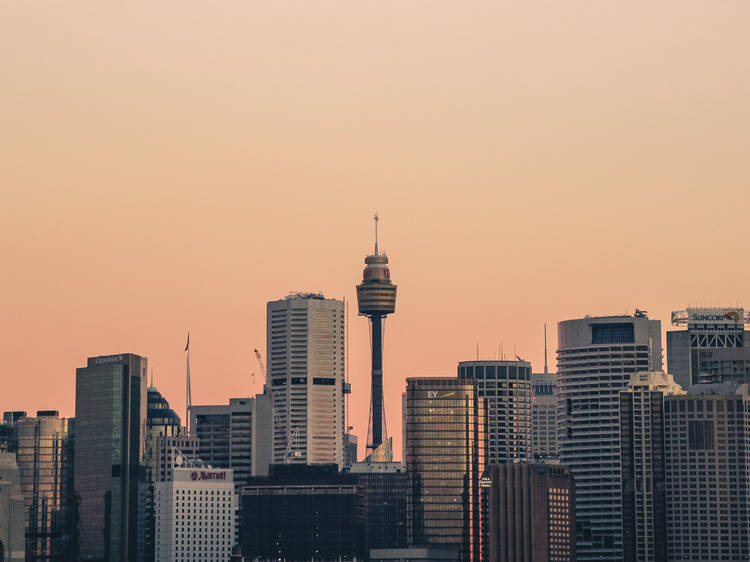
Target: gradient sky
174 165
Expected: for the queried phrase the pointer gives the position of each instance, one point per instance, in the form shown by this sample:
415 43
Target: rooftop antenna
346 366
376 233
188 396
152 377
477 351
545 349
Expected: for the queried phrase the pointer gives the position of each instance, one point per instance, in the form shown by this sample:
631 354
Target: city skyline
530 164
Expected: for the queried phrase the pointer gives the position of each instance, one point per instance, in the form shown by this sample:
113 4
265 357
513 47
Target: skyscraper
713 348
235 435
161 421
506 385
445 447
45 462
531 513
643 465
306 357
110 449
596 358
376 296
707 457
184 529
544 416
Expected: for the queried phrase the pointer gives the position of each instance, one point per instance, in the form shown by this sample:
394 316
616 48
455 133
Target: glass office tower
45 462
110 451
445 435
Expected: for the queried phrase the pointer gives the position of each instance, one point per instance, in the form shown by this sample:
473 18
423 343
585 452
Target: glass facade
45 457
445 447
110 454
506 385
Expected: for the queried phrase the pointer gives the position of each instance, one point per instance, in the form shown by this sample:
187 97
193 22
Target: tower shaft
377 381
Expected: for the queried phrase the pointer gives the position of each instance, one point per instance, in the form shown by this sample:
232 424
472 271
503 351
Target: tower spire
545 348
376 234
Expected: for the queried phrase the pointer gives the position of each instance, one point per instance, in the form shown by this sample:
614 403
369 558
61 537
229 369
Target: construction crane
276 420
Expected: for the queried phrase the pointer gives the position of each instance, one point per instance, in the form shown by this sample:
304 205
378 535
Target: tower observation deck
376 296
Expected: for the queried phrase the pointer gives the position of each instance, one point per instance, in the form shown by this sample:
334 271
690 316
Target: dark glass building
110 449
386 488
45 462
532 513
445 435
303 513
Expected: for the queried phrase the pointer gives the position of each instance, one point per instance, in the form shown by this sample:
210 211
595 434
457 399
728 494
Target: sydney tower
376 296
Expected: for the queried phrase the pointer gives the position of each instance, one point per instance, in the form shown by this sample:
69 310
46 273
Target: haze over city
530 163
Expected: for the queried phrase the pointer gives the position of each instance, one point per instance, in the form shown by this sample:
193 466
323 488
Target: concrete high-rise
376 296
236 436
596 359
643 465
306 378
531 513
544 416
45 462
713 348
184 529
707 458
110 447
506 386
445 432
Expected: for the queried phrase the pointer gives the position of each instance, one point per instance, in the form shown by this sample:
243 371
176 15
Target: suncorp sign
715 315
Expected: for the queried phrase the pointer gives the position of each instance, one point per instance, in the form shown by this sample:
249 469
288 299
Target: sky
173 166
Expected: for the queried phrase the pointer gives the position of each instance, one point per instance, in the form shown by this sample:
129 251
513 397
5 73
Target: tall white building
596 359
306 355
195 515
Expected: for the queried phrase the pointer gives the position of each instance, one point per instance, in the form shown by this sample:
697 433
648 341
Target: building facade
161 422
543 416
644 469
386 487
445 430
195 515
712 349
236 436
306 358
45 463
531 513
12 510
506 387
707 458
110 449
303 512
596 359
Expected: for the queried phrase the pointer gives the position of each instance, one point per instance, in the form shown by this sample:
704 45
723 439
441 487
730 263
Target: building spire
376 233
545 348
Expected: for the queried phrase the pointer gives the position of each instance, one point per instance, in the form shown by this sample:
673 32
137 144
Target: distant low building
303 513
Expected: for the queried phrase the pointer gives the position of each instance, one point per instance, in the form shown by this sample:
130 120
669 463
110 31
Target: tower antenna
376 233
188 394
545 348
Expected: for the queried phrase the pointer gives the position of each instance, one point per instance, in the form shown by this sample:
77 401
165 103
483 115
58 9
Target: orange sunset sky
172 166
